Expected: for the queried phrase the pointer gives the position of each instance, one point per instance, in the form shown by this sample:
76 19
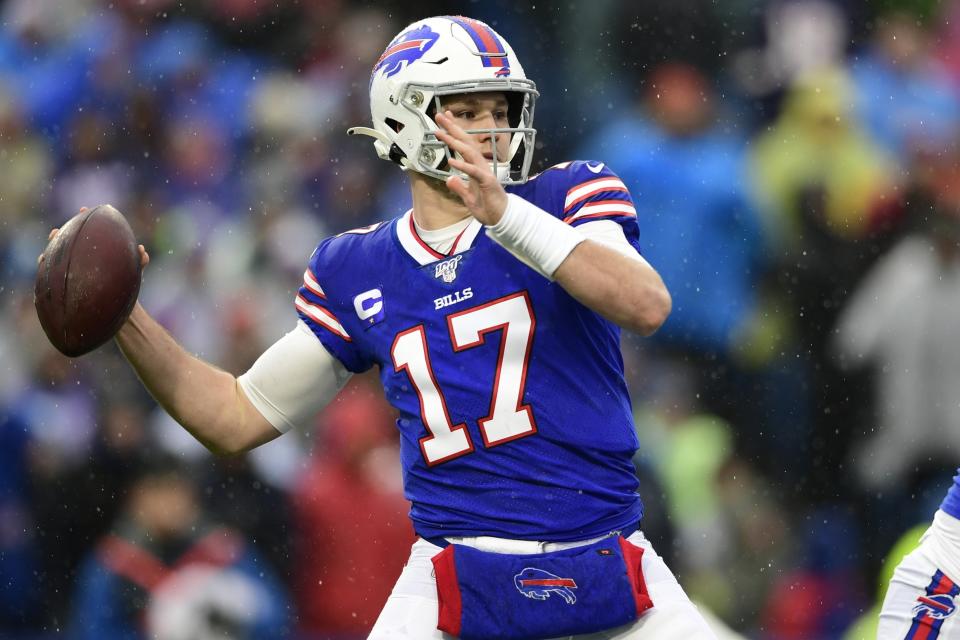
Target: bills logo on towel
539 584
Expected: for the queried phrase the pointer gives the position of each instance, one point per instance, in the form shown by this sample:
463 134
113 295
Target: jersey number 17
507 419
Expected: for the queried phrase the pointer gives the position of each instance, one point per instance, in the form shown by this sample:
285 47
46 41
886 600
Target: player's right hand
144 256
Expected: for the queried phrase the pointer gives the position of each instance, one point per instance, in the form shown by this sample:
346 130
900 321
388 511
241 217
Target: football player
492 310
921 601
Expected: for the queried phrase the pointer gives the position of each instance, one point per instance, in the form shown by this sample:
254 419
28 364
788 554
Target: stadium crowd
796 172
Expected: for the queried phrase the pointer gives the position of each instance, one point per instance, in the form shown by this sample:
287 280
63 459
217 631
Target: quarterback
492 311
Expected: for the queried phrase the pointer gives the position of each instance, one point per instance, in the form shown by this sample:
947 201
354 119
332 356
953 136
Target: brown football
88 280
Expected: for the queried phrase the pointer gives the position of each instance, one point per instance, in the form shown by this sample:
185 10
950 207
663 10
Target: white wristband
534 236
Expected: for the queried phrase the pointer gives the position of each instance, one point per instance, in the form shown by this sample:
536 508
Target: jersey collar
421 251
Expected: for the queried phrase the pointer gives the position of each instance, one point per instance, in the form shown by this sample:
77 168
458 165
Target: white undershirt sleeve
610 234
294 379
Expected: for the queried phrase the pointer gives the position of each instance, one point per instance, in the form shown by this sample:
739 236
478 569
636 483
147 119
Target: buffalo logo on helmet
406 49
937 607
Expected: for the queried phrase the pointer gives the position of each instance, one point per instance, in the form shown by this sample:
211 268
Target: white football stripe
311 283
604 208
591 187
322 316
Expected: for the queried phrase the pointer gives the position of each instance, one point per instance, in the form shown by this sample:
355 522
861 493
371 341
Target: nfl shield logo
447 269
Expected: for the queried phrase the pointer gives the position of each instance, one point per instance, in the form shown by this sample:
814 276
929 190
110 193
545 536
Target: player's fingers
461 188
479 172
53 232
453 142
458 186
454 134
144 256
84 209
468 148
446 120
476 174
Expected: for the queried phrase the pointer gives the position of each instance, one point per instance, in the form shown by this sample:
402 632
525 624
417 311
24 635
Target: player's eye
464 115
500 116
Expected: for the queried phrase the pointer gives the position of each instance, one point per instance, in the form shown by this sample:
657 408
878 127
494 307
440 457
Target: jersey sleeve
316 309
594 192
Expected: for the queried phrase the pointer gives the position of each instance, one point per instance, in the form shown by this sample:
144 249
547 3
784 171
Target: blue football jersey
514 415
951 503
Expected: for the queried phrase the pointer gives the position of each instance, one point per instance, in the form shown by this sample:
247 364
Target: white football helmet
438 57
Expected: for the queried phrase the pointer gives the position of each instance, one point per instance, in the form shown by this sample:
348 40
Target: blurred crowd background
796 170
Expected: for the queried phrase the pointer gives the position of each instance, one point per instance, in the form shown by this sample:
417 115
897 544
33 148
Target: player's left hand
482 193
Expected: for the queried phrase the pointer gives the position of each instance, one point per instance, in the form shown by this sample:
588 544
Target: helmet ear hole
396 125
515 101
516 163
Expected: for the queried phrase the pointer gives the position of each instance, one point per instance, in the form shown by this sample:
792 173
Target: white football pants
411 610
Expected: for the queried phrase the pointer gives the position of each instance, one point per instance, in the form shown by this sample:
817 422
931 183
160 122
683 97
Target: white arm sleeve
610 234
294 379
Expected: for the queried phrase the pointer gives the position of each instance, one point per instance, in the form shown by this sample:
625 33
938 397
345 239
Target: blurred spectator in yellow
25 166
816 143
730 534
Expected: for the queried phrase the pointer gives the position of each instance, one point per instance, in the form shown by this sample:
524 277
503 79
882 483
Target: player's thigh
411 610
673 616
904 615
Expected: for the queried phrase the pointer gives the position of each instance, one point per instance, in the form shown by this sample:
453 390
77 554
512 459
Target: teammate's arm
622 288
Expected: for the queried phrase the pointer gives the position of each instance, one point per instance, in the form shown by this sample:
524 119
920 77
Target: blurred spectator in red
822 596
351 517
947 41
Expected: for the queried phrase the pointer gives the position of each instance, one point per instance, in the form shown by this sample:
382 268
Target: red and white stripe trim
421 251
311 284
590 188
370 228
323 317
601 209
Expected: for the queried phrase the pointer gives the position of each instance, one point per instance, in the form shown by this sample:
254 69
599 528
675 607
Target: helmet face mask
431 60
